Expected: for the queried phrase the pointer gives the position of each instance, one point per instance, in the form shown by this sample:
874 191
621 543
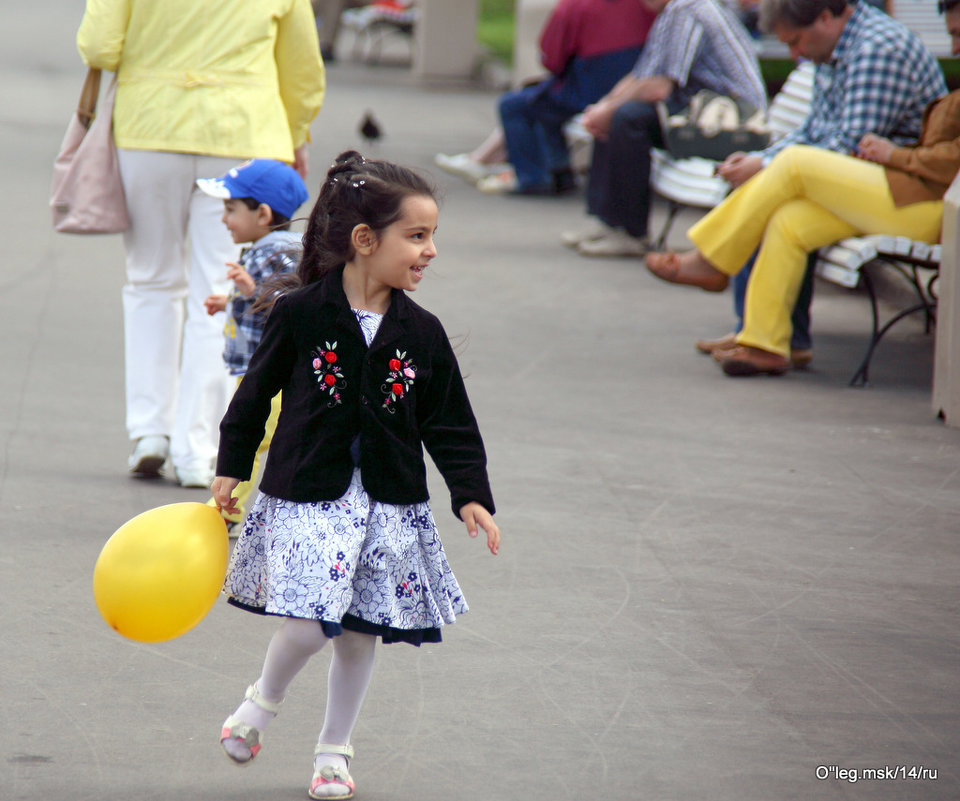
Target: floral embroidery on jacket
328 372
399 380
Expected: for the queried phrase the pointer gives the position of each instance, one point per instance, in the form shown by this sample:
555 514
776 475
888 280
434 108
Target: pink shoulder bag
87 195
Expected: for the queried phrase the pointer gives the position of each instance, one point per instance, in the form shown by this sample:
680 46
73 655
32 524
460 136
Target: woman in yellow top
201 86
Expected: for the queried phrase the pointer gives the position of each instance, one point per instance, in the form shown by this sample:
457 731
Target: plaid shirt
879 80
699 44
277 252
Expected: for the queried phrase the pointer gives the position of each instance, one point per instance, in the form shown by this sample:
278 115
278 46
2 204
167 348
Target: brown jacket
925 170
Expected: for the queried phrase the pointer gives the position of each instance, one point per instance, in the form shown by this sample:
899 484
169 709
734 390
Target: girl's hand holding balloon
222 490
475 515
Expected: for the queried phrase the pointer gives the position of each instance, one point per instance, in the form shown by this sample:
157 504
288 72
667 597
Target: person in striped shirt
693 45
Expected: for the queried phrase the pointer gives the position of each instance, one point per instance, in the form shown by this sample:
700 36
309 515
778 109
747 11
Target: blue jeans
533 121
801 339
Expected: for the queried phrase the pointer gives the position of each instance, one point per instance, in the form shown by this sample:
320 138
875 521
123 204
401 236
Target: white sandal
332 774
250 736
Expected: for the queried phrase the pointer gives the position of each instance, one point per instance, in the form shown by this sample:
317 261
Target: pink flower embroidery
402 372
328 374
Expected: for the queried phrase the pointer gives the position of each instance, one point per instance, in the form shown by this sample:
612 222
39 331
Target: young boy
259 198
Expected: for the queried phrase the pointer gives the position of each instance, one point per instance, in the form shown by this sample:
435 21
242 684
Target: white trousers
176 382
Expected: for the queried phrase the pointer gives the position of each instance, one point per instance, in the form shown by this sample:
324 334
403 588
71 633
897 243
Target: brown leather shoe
667 267
744 360
708 346
799 357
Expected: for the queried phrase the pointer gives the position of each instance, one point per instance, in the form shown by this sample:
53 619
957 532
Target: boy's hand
474 515
241 279
215 303
222 490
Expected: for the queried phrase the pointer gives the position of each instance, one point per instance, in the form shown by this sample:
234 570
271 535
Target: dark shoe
667 267
801 357
564 181
744 360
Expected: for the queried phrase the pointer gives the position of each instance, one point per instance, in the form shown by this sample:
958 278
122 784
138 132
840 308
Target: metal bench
850 262
373 24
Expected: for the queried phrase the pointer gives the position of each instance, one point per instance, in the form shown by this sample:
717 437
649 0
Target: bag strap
87 108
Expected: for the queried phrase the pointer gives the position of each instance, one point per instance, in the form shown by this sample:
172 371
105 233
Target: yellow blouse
233 78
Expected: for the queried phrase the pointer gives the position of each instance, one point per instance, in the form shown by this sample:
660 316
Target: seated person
693 45
873 75
808 198
586 46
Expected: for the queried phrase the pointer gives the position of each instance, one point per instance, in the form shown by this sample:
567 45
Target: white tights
350 670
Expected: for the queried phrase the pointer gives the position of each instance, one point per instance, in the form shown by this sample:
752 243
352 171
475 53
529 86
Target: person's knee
510 103
795 158
352 645
306 636
633 119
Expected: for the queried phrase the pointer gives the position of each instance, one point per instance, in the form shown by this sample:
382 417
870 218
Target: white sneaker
617 243
198 478
502 183
465 167
148 456
595 229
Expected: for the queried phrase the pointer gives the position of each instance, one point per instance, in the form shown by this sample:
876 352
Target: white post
946 362
529 18
446 38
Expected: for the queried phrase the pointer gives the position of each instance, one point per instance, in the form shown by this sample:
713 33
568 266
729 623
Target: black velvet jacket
401 394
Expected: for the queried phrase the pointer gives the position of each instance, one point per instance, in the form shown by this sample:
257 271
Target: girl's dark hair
356 191
278 221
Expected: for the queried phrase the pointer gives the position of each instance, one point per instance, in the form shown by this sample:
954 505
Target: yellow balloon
161 572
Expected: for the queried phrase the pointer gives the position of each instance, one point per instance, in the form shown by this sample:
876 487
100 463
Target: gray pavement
707 587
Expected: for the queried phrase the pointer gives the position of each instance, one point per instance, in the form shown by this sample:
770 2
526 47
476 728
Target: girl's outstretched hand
222 489
475 515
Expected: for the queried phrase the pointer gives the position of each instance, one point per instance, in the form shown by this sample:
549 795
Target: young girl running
341 541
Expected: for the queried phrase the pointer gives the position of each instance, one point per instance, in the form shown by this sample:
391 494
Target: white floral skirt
353 562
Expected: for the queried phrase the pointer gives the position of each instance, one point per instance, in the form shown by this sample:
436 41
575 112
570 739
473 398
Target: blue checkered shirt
879 80
277 252
700 44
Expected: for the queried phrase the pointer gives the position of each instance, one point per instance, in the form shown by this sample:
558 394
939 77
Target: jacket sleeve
102 32
450 433
938 163
300 69
937 158
242 427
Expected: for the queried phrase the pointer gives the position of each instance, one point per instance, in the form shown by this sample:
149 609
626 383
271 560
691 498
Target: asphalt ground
708 588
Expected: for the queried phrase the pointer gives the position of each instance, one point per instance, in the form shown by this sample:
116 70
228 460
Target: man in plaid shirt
873 75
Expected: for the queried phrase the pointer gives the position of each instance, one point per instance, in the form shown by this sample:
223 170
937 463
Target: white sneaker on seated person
467 168
594 229
616 243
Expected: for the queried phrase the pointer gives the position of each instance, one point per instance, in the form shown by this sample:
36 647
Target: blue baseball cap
266 181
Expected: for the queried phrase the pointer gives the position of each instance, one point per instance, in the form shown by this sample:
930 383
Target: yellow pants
244 488
804 199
